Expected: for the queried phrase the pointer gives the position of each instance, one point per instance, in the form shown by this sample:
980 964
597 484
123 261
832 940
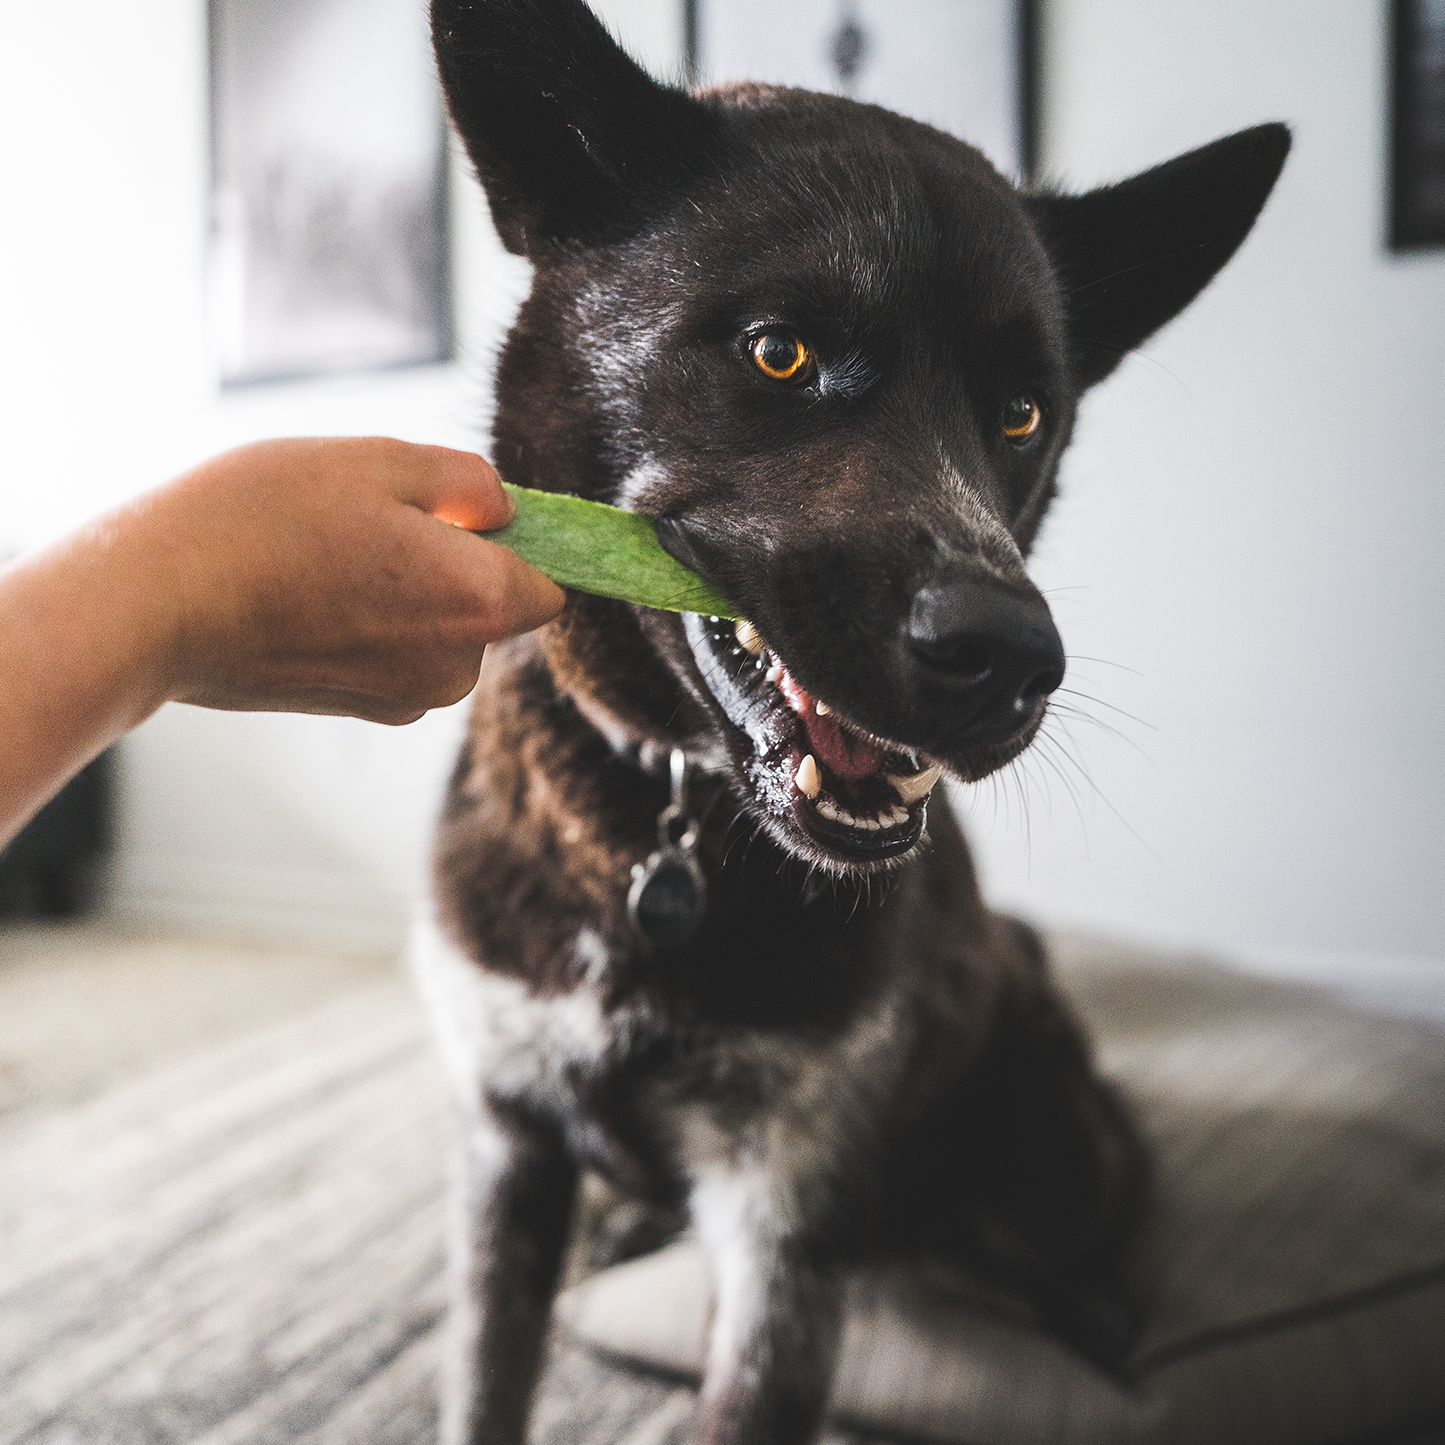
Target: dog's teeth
775 673
806 779
747 634
822 709
872 824
828 810
915 785
898 817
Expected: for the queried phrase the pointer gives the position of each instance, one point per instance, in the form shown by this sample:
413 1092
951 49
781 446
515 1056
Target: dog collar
668 897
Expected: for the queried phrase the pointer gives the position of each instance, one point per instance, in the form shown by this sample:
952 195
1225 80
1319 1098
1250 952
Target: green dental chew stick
604 550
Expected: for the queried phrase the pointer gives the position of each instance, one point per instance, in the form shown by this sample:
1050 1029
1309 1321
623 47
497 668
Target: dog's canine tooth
822 709
915 785
747 635
775 673
806 780
828 810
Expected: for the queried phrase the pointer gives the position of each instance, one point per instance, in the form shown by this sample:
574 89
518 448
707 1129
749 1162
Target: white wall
1254 519
301 826
304 827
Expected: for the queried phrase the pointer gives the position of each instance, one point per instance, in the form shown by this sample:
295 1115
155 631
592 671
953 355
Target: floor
221 1173
87 1007
221 1183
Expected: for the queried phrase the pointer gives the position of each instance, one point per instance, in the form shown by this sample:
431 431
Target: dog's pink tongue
844 756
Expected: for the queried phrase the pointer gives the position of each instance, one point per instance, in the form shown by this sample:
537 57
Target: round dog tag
668 897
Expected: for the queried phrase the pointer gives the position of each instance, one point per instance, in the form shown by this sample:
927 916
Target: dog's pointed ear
572 139
1133 255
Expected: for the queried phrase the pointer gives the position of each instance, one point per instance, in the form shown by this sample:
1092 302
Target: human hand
292 576
318 576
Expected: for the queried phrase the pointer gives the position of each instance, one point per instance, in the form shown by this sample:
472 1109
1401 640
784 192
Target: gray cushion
1293 1266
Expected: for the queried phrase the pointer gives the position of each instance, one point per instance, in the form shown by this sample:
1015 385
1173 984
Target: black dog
837 356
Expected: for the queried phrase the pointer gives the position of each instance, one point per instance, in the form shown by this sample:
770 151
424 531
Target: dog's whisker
1020 777
1066 713
735 834
993 791
1056 739
1009 789
1068 717
1042 773
1104 799
1104 662
1123 712
1047 759
858 896
753 836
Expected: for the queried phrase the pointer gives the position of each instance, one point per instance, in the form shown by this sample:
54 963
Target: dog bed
1292 1271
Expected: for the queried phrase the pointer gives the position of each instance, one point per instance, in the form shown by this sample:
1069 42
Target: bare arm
287 576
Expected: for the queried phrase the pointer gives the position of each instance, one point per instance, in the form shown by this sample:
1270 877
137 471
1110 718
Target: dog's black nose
997 650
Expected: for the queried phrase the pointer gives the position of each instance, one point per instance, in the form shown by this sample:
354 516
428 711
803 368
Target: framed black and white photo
328 244
965 66
1417 132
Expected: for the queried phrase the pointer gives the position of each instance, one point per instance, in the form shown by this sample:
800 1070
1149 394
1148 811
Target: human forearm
83 658
303 576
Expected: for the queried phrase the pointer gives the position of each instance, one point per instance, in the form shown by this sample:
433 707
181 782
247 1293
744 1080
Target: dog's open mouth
855 797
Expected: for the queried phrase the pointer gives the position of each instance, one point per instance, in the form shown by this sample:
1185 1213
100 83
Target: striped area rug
246 1248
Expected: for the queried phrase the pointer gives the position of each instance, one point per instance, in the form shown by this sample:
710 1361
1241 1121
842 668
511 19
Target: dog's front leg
775 1325
511 1201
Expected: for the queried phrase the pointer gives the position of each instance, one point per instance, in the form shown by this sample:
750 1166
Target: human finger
511 596
458 487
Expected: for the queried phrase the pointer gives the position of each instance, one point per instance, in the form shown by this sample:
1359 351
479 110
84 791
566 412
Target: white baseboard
320 907
352 910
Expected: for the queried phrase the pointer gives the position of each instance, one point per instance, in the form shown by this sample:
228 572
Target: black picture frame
330 199
1026 31
1417 125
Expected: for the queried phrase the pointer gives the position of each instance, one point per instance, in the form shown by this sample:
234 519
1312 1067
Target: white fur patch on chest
813 1103
496 1035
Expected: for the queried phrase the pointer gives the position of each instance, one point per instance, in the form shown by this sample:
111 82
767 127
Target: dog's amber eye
781 356
1021 417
